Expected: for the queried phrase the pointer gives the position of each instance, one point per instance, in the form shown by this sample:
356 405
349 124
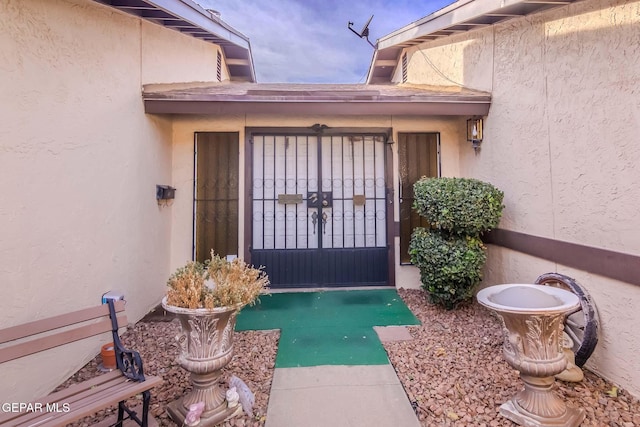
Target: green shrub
450 265
461 206
450 254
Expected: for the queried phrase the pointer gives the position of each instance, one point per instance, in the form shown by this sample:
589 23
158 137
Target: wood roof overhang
458 17
325 99
189 18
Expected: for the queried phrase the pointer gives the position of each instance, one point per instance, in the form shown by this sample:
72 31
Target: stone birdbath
533 318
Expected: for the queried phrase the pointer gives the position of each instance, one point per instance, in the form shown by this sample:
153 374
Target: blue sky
307 41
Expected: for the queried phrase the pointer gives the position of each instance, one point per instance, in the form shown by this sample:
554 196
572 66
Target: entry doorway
318 206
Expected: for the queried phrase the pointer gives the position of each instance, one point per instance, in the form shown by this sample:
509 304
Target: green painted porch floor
328 328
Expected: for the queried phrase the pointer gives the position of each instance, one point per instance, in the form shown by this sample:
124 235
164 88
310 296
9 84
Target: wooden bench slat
66 395
106 398
87 402
54 340
69 392
83 394
45 325
95 401
81 399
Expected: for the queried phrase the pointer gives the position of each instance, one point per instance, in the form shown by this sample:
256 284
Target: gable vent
404 67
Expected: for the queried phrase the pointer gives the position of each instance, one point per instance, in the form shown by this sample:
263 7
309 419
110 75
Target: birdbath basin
533 319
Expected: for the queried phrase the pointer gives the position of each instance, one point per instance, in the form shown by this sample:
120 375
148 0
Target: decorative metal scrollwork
128 361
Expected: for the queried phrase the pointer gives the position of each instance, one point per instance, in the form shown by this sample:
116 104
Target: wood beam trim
614 265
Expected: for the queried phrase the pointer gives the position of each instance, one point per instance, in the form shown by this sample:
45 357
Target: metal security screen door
319 209
216 194
418 156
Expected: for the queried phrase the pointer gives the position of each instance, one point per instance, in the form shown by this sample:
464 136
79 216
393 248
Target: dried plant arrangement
216 283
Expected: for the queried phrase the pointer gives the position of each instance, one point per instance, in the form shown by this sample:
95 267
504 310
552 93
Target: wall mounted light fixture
474 132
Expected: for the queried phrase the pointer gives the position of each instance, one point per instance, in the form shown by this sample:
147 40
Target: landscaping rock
253 362
454 373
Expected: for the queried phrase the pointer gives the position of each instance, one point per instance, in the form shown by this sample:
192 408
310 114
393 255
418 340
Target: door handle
327 199
324 222
314 220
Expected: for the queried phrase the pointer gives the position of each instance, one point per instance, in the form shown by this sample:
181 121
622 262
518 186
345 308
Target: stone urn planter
206 298
533 318
206 343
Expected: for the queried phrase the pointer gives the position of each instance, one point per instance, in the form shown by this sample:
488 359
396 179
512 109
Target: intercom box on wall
165 192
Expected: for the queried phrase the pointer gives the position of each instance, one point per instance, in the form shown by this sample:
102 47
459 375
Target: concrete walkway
341 396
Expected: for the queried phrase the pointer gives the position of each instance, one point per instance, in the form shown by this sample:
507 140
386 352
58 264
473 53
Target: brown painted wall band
611 264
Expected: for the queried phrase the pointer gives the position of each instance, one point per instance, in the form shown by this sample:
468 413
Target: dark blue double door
319 209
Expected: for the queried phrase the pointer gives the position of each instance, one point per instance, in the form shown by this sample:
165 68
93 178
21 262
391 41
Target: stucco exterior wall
79 161
561 141
467 61
198 60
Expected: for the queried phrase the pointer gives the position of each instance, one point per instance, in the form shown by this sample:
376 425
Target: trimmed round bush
462 206
450 265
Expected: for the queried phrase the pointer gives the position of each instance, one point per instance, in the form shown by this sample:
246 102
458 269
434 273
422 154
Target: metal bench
88 397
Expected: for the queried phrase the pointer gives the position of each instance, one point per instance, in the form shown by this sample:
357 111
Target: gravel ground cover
452 370
454 374
253 362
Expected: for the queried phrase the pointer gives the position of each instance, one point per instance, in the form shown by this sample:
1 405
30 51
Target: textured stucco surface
561 142
79 162
446 64
198 60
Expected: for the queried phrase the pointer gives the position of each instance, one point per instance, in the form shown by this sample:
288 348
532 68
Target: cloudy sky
296 41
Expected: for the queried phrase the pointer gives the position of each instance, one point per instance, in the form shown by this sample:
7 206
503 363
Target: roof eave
189 18
461 16
435 107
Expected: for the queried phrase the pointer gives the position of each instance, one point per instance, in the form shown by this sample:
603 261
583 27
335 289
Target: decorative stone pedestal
533 318
206 340
178 413
541 406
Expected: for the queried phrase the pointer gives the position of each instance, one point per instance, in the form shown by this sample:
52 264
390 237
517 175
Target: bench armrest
128 361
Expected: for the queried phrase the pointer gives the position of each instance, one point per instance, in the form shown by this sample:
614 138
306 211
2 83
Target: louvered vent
219 66
404 68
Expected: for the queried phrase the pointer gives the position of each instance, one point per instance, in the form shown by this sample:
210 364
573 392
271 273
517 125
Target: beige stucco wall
190 60
79 161
561 141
